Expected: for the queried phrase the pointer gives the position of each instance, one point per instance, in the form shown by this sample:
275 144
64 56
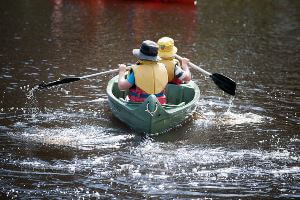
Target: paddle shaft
73 79
224 83
195 66
100 73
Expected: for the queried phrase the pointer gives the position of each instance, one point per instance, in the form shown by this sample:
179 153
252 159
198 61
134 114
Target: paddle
73 79
224 83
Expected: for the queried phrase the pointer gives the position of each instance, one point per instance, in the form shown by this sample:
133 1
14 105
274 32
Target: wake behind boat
150 116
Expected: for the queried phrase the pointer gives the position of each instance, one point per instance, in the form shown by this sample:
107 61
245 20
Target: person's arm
185 68
123 84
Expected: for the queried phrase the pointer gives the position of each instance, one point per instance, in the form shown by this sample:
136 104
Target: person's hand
185 62
122 68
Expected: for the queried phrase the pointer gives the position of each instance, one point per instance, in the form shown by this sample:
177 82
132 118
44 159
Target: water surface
65 143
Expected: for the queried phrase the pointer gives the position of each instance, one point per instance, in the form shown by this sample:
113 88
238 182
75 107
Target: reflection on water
63 142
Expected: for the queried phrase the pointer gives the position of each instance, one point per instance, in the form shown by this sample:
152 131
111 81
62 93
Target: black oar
224 83
73 79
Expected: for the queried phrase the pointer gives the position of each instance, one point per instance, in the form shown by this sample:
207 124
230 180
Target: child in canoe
177 73
146 77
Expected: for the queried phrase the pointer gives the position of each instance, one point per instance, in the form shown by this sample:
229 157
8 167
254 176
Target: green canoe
150 116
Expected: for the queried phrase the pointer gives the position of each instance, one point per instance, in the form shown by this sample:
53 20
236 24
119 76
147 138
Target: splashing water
83 137
230 103
245 118
232 118
211 114
31 101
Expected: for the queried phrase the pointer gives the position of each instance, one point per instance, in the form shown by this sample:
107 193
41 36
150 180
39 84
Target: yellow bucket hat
166 48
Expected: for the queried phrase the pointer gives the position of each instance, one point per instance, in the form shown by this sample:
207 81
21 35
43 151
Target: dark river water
64 142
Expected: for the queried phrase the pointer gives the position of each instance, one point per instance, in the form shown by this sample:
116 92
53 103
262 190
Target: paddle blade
59 82
224 83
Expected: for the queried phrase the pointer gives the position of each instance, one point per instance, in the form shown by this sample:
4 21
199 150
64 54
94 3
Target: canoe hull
150 116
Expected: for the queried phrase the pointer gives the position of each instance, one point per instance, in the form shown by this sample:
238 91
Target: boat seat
131 102
164 105
178 94
173 105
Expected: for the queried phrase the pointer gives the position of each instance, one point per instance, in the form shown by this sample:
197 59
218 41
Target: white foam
228 118
84 137
241 118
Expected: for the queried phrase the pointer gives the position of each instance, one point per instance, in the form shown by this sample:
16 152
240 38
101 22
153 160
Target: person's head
148 51
166 48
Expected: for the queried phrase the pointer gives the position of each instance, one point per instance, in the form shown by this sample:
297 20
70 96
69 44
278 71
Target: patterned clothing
179 73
